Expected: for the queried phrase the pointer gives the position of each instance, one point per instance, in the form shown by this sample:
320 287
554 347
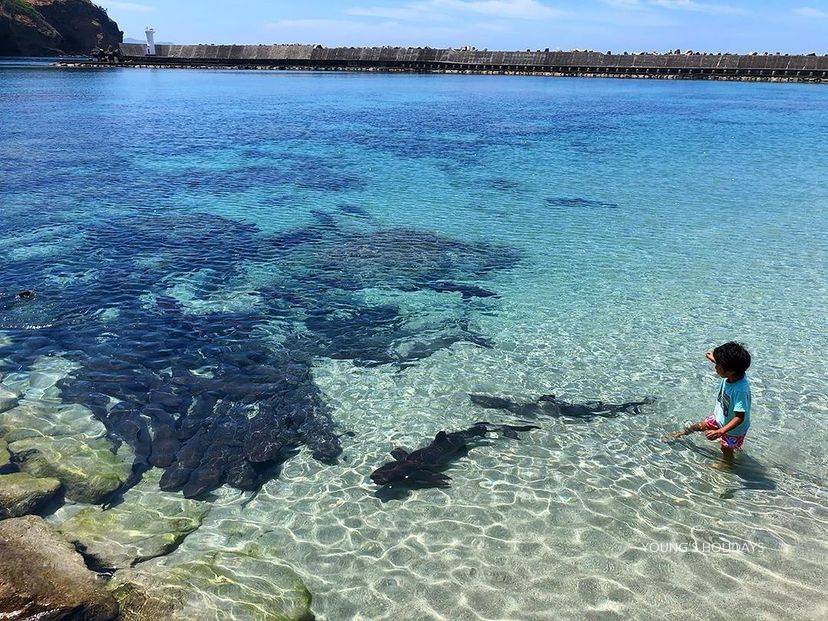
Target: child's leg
695 427
727 460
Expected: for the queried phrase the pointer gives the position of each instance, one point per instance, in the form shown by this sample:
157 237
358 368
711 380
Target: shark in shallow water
423 468
550 405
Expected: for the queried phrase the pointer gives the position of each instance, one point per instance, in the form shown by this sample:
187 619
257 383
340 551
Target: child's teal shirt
733 398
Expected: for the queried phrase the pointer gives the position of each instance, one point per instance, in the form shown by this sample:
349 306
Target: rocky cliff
52 27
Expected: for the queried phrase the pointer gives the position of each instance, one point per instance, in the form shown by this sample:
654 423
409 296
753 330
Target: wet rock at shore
147 524
22 494
43 577
50 438
88 469
221 585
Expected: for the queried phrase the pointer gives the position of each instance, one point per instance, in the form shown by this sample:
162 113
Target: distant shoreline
673 66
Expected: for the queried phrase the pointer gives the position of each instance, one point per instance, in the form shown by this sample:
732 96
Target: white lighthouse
150 41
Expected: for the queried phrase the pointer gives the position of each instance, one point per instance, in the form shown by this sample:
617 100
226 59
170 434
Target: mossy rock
22 494
88 469
147 524
221 585
5 456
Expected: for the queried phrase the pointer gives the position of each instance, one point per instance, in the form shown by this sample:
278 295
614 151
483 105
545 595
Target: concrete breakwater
800 68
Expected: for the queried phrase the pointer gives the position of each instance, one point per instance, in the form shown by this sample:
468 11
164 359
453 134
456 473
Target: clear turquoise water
652 219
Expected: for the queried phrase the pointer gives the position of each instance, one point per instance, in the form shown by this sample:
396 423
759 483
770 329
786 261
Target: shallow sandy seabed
646 236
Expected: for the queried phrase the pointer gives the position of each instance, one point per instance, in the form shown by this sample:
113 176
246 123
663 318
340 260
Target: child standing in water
730 420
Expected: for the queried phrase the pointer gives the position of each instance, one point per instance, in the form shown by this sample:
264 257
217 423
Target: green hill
52 27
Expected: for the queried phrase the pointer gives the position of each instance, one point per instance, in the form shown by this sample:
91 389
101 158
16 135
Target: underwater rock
550 405
244 584
88 469
22 494
422 468
44 375
43 577
39 410
5 456
46 418
8 399
147 524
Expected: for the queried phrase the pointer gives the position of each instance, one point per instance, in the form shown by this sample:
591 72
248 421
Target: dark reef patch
282 175
208 374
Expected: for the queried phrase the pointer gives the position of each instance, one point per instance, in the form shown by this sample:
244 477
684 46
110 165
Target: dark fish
466 291
422 468
550 405
579 202
209 396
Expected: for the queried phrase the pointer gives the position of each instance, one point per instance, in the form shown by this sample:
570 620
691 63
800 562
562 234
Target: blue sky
618 25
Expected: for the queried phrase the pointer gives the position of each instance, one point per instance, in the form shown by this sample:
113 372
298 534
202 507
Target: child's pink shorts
728 441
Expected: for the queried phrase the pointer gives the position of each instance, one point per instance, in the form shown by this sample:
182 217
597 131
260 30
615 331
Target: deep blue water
245 266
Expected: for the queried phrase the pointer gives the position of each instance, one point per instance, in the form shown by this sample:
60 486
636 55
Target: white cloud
629 4
680 5
699 7
807 11
128 6
517 9
347 32
415 11
436 10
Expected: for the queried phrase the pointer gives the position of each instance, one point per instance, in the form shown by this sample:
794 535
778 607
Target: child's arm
738 419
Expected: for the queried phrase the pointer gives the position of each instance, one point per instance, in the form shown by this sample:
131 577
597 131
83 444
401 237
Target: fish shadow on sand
552 406
424 467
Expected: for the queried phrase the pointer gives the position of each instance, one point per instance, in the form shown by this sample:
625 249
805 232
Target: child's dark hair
733 357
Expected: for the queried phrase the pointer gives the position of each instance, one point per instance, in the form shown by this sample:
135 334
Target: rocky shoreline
90 562
53 27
